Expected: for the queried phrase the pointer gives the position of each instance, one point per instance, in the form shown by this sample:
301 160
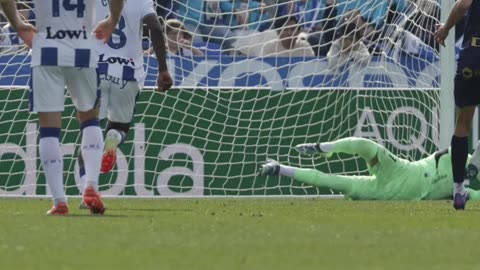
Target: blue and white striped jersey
122 56
65 33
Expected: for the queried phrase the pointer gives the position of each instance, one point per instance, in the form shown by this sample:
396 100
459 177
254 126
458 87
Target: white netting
355 68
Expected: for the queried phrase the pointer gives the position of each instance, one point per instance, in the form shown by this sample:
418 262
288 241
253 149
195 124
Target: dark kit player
467 84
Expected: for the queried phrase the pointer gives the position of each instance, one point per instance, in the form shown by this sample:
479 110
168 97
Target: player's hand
104 29
164 81
441 34
26 32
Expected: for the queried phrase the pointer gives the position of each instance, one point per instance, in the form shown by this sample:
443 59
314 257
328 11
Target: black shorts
466 90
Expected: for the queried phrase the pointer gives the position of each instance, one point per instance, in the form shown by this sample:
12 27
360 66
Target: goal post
447 54
237 103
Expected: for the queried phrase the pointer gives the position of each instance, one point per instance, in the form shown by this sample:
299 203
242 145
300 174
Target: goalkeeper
391 178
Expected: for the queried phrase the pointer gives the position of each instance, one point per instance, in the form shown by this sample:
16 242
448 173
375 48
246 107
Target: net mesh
252 79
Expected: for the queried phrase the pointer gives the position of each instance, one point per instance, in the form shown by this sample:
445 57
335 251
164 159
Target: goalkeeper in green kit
391 178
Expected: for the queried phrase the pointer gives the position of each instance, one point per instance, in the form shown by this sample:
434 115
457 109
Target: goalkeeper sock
316 178
287 171
92 150
459 149
365 148
52 162
326 147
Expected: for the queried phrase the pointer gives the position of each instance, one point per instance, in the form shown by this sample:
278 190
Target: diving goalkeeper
391 178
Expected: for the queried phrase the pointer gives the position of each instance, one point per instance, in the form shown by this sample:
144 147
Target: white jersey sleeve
64 33
148 8
122 56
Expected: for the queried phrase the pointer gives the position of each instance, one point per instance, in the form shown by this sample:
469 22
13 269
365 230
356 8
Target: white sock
82 184
287 171
92 151
52 163
459 188
115 135
326 147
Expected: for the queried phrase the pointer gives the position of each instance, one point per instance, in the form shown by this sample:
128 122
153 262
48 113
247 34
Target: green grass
241 234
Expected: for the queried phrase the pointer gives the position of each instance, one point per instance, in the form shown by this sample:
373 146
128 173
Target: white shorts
47 88
118 98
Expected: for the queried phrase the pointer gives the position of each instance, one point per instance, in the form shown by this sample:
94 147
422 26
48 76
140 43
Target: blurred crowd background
341 30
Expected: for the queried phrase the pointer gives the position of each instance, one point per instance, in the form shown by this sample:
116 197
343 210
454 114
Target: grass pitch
240 234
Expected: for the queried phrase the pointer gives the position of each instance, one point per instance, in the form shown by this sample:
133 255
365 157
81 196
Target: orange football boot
61 209
92 200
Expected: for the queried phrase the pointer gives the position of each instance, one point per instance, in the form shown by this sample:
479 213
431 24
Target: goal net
252 80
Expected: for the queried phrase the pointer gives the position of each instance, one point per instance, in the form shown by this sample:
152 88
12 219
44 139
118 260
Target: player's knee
88 115
462 129
125 127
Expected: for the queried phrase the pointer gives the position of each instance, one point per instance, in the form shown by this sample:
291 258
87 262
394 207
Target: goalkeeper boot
311 149
460 200
110 155
471 172
92 200
269 168
61 209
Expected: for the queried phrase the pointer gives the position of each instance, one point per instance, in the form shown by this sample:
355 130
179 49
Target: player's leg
459 148
105 90
81 171
120 114
365 148
466 99
83 88
115 136
47 94
360 187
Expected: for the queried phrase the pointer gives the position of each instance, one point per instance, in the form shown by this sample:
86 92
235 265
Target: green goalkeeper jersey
399 179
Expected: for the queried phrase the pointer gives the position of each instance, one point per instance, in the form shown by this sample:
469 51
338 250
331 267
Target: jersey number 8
122 38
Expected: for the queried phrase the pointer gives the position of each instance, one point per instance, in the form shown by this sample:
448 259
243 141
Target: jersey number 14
69 6
80 8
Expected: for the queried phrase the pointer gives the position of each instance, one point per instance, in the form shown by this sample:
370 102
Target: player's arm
105 28
455 16
116 7
158 40
164 80
25 30
10 9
